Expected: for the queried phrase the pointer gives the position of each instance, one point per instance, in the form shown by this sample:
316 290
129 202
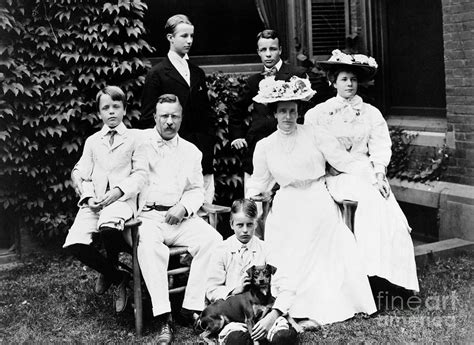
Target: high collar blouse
359 127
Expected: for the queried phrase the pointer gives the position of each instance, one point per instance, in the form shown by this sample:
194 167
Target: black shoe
165 333
188 318
120 294
102 284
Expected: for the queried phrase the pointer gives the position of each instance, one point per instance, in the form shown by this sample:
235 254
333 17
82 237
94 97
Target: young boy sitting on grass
108 177
228 276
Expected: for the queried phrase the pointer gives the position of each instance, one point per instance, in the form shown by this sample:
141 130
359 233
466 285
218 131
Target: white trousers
153 256
87 222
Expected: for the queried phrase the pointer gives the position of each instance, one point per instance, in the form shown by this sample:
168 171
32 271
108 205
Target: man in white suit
109 175
168 206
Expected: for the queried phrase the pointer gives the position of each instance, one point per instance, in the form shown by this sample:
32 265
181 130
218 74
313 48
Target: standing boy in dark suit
176 75
263 123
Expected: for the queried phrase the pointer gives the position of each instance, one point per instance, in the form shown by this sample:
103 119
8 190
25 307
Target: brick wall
458 27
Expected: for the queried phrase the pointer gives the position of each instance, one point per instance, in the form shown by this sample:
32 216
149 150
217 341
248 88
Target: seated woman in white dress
319 275
380 227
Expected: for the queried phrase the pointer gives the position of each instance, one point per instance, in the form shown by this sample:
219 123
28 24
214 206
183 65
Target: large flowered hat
364 65
296 89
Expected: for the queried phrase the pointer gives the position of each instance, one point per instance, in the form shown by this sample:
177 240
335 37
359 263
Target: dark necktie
112 133
271 72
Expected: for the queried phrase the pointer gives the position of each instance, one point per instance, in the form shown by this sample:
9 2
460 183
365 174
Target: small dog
247 307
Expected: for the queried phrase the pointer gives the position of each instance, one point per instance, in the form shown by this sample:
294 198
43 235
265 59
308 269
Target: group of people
163 174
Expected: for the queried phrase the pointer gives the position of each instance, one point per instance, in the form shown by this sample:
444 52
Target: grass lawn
50 299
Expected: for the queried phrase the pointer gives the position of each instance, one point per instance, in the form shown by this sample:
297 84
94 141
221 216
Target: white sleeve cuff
380 168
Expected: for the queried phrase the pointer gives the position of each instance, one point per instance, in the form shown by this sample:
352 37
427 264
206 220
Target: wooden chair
209 212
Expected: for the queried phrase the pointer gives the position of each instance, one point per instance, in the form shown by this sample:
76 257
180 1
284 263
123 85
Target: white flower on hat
338 56
372 62
271 90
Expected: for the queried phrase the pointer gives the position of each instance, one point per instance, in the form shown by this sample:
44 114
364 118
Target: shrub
406 164
54 57
223 91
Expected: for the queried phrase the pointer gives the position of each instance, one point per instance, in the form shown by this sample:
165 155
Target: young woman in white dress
381 229
319 273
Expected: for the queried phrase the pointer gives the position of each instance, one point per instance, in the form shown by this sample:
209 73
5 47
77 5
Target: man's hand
239 143
77 182
244 283
94 204
111 196
382 185
175 214
261 328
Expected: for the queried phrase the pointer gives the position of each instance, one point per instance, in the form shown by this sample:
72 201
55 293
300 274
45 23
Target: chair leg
137 287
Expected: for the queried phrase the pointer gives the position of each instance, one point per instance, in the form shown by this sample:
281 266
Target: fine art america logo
433 304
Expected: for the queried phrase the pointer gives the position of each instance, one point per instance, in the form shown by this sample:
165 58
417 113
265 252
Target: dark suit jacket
198 125
263 123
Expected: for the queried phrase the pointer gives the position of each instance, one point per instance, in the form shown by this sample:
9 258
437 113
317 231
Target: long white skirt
381 230
314 250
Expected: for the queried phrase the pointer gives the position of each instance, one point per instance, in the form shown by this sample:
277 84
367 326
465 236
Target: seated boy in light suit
228 275
109 175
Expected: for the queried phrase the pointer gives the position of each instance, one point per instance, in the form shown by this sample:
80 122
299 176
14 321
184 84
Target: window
328 26
414 65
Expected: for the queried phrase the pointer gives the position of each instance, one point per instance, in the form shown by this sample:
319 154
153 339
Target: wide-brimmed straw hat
296 89
365 66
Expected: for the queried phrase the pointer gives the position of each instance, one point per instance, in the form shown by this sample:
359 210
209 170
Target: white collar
174 57
355 102
277 66
120 129
173 142
236 244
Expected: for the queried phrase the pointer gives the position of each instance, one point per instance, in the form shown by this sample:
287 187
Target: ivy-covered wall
54 57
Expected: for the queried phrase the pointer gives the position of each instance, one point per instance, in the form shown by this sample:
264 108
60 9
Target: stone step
7 257
427 253
8 260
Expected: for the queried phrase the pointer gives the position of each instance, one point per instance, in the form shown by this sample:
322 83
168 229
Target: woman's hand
239 143
382 185
346 142
261 328
244 283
